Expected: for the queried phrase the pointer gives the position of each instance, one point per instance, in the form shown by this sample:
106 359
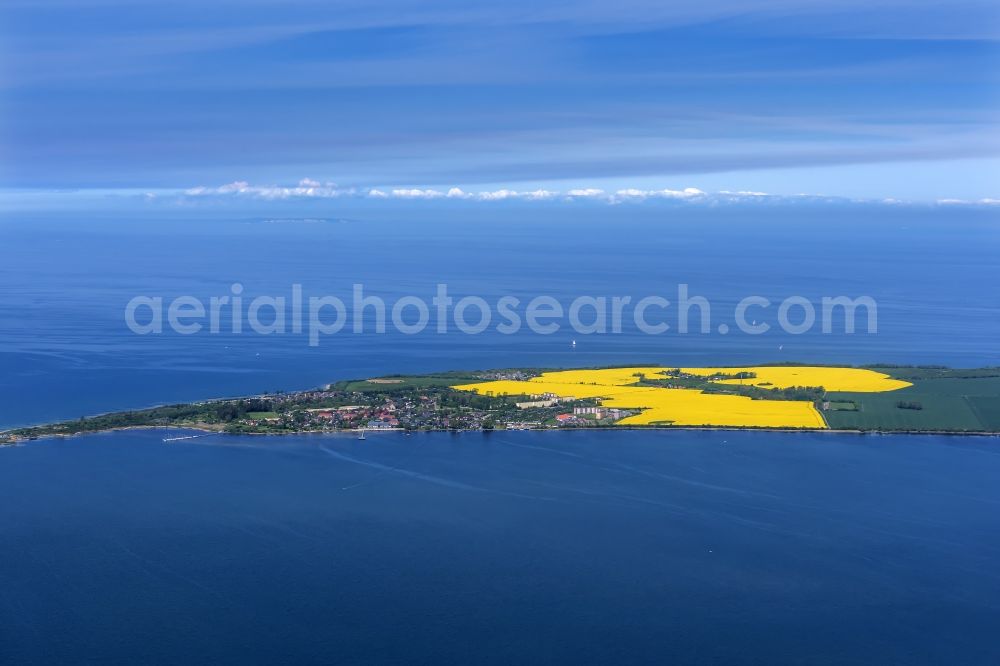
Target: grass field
384 384
987 410
950 402
911 373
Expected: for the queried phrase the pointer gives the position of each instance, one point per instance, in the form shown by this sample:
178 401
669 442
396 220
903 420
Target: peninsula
774 396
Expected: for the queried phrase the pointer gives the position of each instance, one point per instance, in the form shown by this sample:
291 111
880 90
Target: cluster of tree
238 409
806 393
145 417
735 375
677 379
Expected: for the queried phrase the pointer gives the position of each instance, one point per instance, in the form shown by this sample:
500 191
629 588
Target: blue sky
895 99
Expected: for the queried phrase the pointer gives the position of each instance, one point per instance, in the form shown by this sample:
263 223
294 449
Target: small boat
573 344
362 435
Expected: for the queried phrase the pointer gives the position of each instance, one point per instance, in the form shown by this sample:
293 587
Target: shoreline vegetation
785 397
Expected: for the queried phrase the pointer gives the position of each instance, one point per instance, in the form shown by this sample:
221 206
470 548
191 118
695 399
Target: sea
507 547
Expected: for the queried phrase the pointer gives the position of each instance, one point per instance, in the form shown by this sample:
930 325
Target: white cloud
686 193
309 188
744 193
498 195
416 194
540 194
459 193
239 186
305 188
969 202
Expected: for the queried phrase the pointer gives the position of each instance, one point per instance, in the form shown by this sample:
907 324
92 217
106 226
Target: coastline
442 402
15 441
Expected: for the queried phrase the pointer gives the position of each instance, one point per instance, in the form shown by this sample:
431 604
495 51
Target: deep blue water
65 280
601 547
584 547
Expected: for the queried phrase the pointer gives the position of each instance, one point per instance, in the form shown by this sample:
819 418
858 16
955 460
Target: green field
987 409
954 400
407 382
392 383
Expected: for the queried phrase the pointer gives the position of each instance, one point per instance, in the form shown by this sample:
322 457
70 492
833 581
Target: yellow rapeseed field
690 407
832 379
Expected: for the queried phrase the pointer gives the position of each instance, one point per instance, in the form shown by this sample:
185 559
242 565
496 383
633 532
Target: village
408 409
401 404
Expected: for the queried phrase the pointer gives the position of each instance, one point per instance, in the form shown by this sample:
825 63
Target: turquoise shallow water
572 547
